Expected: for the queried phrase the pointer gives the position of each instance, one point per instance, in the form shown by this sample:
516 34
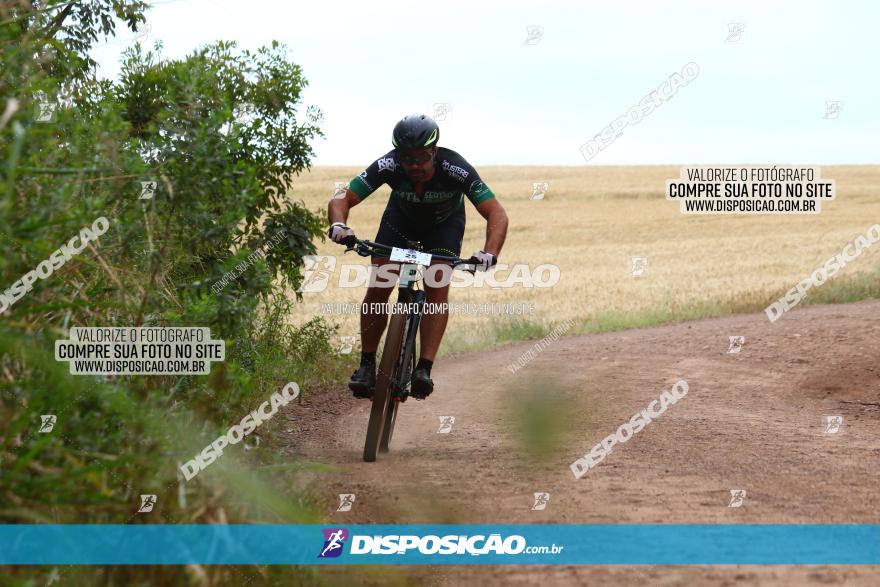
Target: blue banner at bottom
625 544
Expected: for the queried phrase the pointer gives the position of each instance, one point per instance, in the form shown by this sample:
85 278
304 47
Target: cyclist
428 186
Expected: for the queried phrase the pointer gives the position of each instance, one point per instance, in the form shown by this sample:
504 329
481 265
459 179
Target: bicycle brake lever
360 250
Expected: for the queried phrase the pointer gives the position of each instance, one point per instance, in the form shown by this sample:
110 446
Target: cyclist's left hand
483 260
340 233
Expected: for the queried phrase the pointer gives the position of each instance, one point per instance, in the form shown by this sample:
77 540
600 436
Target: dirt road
752 420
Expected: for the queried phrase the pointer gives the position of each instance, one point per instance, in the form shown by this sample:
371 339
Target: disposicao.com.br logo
452 544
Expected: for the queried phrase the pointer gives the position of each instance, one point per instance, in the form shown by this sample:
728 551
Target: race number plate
410 256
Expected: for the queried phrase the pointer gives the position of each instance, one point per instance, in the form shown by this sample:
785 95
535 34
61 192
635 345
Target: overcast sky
759 97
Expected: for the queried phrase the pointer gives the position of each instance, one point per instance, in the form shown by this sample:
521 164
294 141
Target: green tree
222 134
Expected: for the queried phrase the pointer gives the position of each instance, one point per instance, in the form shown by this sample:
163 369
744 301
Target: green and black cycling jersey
453 180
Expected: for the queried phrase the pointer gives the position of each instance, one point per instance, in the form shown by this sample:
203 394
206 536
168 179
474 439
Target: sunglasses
418 159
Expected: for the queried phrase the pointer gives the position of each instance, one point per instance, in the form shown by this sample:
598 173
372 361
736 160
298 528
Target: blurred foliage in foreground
219 135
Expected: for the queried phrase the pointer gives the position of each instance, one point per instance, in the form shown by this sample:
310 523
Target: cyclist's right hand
341 234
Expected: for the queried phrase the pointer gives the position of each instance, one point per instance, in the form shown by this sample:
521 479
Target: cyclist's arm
337 209
488 206
363 184
496 225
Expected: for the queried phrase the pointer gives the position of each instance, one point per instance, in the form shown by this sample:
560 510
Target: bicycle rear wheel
382 396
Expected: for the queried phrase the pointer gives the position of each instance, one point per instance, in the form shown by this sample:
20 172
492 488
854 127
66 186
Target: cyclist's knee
438 276
383 275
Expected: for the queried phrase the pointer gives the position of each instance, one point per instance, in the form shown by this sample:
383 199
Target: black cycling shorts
444 238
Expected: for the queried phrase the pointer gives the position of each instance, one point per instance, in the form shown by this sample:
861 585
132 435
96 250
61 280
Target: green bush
219 132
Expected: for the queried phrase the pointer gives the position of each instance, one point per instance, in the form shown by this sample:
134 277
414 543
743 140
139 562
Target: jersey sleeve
373 177
478 192
462 172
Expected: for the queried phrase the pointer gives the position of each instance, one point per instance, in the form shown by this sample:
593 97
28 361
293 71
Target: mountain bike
400 351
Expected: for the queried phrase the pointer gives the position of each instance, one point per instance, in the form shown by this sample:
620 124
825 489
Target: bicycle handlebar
366 248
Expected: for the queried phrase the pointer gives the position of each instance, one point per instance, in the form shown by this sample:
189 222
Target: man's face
418 163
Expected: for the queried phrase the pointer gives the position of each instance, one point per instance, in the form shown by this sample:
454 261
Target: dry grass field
593 219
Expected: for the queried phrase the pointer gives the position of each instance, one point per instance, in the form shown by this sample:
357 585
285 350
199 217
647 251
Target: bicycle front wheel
404 370
402 375
382 396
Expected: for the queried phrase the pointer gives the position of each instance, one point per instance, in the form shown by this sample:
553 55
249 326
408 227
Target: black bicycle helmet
415 131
